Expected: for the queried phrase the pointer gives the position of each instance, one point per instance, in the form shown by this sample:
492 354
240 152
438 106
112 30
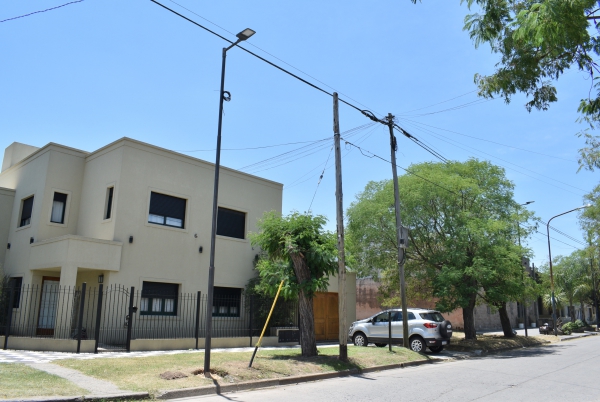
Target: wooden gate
325 308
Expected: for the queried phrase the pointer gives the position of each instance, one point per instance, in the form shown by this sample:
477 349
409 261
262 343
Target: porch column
65 298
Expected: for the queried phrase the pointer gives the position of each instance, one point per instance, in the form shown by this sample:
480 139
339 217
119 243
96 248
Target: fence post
130 319
198 317
11 302
250 323
80 321
98 317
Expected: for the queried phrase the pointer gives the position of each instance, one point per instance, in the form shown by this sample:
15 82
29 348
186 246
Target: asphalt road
564 371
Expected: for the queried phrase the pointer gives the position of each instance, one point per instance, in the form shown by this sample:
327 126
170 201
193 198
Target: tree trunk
308 342
571 311
469 319
505 321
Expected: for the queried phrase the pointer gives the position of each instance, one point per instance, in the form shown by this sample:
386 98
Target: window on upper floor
231 223
26 209
59 205
109 201
226 302
159 298
166 210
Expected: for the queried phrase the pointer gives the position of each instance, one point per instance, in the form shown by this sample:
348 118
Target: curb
245 386
95 398
583 335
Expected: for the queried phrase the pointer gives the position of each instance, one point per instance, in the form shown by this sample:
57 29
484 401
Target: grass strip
490 343
143 373
21 381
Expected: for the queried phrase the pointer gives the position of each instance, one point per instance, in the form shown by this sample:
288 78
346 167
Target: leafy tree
570 278
463 230
303 254
538 40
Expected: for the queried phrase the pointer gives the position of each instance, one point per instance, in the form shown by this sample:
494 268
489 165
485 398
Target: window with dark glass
59 204
226 302
109 200
231 223
159 298
26 209
166 210
17 283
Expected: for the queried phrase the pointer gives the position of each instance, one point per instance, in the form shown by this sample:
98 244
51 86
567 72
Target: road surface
564 371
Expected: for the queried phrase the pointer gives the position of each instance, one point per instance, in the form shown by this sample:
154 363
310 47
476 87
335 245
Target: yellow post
266 323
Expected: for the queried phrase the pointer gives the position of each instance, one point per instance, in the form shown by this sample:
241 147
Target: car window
411 316
383 317
397 316
435 316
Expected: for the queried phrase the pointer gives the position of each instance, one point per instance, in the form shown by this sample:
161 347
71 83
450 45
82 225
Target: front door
48 302
325 310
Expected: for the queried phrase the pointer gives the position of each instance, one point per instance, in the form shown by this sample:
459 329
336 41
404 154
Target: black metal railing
114 315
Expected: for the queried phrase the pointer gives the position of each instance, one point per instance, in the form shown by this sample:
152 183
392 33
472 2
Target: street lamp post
550 263
242 36
524 307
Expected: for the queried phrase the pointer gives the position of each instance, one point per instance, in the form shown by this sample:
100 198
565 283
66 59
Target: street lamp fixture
242 36
550 263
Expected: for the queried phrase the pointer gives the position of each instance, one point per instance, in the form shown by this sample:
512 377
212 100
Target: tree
463 230
570 278
538 40
300 252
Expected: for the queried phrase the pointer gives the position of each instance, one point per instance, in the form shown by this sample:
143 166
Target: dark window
166 210
383 317
226 302
397 316
26 211
159 298
59 204
109 199
17 283
231 223
435 316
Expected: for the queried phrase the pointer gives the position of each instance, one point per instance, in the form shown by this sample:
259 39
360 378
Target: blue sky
89 73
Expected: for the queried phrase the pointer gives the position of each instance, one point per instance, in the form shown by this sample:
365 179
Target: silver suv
426 329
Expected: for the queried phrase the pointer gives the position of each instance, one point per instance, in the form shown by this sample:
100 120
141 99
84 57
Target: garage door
325 308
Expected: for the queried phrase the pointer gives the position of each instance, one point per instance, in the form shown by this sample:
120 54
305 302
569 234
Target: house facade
129 213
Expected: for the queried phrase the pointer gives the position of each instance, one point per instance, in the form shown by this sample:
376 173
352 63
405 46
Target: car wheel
417 344
360 339
381 345
436 349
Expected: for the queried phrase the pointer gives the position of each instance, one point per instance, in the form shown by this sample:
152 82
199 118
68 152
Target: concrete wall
48 344
15 153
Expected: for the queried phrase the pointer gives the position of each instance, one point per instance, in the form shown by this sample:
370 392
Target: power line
245 149
457 107
320 178
421 144
564 234
511 163
560 241
42 11
258 57
439 103
486 140
270 54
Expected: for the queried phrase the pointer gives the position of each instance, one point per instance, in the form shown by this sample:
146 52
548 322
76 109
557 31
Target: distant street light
242 36
550 262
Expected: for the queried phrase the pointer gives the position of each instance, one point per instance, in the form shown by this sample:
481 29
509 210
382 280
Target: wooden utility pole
399 238
339 201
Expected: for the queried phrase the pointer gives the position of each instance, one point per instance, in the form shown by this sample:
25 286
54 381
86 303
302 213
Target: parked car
426 329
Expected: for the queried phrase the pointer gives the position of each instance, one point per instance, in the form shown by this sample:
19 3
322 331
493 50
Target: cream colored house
127 214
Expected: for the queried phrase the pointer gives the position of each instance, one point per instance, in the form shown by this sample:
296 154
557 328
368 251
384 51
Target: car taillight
429 325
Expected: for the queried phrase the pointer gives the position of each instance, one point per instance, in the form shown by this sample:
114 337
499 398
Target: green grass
142 373
21 381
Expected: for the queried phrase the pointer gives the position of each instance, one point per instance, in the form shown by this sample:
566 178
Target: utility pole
339 203
399 240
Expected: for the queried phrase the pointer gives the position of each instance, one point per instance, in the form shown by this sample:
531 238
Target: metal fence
112 316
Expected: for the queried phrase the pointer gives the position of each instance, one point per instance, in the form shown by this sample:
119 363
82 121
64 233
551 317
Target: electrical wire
41 11
564 234
421 144
486 140
439 103
452 142
457 107
270 54
245 149
560 241
258 57
320 179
